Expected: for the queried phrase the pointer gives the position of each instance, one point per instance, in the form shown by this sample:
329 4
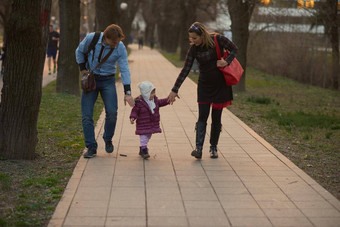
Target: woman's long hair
200 30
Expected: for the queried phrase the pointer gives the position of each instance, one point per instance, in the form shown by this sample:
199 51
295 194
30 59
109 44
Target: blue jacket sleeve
82 50
123 64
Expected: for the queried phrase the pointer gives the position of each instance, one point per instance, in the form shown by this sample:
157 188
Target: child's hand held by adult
172 97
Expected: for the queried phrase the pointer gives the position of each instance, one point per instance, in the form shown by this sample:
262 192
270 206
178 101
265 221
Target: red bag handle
218 51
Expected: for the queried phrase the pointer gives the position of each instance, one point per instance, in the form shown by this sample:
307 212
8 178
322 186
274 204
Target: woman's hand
221 63
132 120
172 97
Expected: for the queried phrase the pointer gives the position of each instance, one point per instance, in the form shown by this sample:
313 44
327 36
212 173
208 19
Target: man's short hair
113 32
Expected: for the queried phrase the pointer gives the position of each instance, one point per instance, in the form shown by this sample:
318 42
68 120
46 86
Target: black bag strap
92 46
93 43
104 59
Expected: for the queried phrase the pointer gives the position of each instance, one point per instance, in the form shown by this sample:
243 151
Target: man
52 49
105 82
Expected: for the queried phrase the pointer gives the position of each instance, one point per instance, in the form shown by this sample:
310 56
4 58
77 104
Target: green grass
303 120
30 190
300 121
174 58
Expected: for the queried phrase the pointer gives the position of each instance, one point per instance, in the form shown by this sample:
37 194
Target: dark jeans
107 89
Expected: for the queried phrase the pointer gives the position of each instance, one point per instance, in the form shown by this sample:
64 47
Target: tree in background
126 16
109 12
191 11
332 20
169 25
106 14
327 15
27 33
5 11
150 11
188 16
240 12
68 71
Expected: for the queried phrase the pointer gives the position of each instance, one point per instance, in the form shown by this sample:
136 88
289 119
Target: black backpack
92 46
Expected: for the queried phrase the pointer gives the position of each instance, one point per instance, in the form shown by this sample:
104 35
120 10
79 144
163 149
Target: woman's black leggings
203 114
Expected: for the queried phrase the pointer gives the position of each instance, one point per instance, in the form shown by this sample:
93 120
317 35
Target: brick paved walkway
251 184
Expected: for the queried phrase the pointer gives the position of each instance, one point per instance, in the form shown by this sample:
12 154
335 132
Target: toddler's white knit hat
146 88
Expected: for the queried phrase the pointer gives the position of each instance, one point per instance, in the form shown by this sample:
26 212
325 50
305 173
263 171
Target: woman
212 89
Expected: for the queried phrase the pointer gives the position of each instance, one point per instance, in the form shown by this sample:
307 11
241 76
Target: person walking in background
111 38
52 49
140 40
152 42
212 90
146 114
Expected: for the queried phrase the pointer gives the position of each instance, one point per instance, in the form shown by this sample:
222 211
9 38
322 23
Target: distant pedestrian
152 42
140 41
212 90
105 79
146 114
131 38
52 49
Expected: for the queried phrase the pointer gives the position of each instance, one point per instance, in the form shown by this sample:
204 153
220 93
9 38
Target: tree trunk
151 14
126 17
106 13
240 13
334 35
27 34
68 71
188 10
5 12
169 24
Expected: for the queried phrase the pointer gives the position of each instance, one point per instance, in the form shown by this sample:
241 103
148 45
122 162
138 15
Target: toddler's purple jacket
147 123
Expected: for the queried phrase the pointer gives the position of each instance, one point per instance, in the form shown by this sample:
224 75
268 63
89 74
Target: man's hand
172 97
129 99
82 72
132 120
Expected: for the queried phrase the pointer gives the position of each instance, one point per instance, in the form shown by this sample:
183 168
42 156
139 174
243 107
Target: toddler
146 114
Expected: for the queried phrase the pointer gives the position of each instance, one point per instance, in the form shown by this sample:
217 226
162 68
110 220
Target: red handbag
233 72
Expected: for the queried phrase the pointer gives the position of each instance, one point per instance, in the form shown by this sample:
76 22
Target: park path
250 184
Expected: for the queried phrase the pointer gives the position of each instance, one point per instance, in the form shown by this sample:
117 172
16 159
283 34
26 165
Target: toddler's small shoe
144 153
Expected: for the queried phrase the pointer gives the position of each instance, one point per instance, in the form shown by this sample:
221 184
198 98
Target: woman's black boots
200 135
214 136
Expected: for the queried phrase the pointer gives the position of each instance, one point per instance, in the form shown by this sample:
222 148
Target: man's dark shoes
108 146
144 153
197 153
213 152
90 153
